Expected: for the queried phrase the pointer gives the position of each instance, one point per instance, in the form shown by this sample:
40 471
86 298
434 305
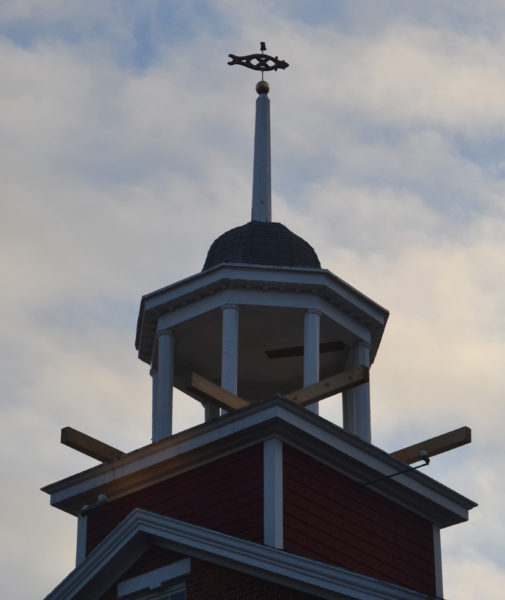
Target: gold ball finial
262 87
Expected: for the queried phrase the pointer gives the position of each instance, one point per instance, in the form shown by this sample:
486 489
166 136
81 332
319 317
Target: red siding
328 518
211 582
226 495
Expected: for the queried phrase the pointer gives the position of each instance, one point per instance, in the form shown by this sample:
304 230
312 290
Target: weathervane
259 62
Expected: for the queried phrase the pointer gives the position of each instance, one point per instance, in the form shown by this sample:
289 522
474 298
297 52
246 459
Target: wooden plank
435 445
89 445
216 394
330 386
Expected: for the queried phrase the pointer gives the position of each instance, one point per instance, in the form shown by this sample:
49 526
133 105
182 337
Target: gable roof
142 529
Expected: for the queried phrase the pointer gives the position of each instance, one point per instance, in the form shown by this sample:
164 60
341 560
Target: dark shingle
261 244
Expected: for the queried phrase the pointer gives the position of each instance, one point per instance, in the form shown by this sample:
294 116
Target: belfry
265 498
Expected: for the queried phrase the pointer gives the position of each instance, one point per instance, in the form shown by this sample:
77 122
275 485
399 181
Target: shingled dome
260 243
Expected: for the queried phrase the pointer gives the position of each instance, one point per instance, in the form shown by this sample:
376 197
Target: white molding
413 489
273 514
154 579
142 529
437 547
268 298
82 528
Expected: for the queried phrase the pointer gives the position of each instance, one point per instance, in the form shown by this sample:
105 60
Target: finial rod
262 186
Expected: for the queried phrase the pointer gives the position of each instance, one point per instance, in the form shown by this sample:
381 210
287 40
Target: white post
311 334
165 383
262 194
154 374
437 546
229 355
273 518
82 525
356 401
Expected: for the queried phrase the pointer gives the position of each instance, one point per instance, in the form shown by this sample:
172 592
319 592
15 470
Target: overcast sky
126 149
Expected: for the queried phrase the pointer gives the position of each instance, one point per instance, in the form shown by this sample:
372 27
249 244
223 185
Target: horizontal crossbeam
89 445
217 394
435 445
330 386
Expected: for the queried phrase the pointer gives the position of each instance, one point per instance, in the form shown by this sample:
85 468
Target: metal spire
262 186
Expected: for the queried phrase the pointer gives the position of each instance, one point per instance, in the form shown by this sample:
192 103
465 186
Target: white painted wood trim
141 529
154 579
229 351
362 395
437 546
326 433
154 375
165 383
311 337
82 528
356 401
273 492
300 300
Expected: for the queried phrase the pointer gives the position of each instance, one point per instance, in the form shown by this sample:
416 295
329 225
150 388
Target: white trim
229 347
273 515
164 382
275 298
311 337
82 528
142 529
437 547
355 458
154 579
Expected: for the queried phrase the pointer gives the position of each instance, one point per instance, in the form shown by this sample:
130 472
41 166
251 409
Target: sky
126 149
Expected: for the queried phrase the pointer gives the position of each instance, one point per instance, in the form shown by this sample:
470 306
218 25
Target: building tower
265 499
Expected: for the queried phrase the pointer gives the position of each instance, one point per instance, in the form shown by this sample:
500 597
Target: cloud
121 163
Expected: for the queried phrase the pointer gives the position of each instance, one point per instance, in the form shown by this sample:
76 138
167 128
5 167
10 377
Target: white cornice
142 529
274 418
320 283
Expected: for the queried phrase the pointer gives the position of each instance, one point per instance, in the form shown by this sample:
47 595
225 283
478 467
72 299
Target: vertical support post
165 383
82 526
229 355
211 411
356 402
273 518
262 194
154 374
311 336
437 546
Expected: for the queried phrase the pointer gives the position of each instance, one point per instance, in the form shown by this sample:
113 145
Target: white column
437 546
262 195
273 517
82 526
356 401
311 335
154 374
229 355
165 383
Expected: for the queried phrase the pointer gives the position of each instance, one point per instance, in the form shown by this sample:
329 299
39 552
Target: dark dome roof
261 243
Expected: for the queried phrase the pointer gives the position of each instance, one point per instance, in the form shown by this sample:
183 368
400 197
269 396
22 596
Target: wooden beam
330 386
216 394
435 445
89 445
